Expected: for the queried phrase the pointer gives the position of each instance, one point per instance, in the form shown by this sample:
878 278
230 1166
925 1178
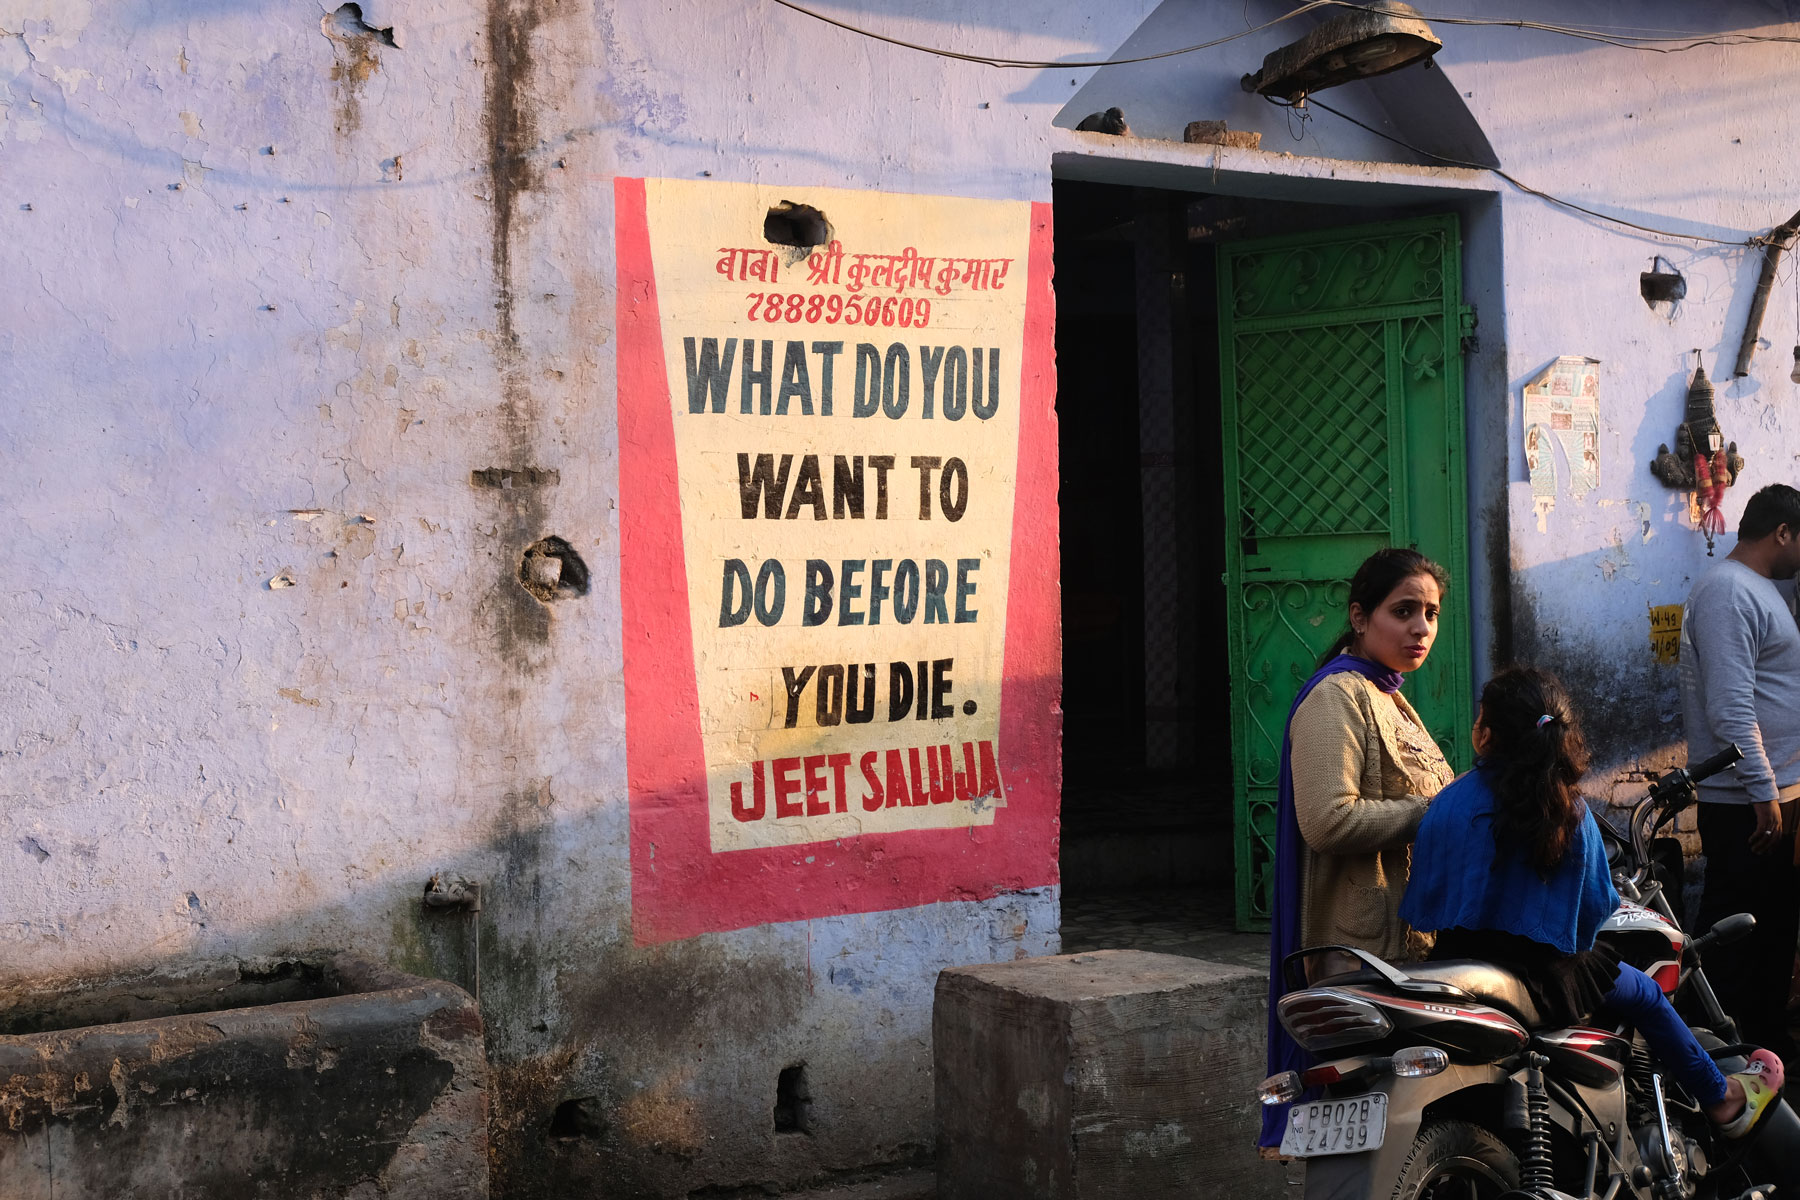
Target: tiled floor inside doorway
1188 922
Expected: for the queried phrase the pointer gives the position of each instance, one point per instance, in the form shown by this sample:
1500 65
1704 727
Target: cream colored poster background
704 291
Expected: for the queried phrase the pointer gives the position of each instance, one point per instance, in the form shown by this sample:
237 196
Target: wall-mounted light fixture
1656 286
1360 44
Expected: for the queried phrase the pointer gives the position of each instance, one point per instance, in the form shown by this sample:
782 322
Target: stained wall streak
509 120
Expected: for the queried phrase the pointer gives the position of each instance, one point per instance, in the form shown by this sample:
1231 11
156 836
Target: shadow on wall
658 1070
1630 705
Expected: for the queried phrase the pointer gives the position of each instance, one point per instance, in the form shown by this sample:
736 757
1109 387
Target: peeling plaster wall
276 289
284 303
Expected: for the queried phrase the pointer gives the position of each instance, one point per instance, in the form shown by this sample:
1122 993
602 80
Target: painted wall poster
838 553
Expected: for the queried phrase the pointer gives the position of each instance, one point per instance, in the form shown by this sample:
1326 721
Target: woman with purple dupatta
1357 770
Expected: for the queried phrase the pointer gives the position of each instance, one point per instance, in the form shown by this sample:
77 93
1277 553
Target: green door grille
1343 433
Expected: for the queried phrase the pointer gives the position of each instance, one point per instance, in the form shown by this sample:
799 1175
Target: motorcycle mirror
1730 929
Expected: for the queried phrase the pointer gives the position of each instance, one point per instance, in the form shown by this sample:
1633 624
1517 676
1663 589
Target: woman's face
1399 632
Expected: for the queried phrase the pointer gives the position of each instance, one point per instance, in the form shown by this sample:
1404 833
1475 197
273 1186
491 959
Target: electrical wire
1525 187
987 60
1608 35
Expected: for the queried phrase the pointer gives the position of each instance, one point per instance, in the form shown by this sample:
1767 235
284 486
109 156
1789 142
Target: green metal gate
1341 357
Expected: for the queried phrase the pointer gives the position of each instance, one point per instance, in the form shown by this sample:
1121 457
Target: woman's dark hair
1533 765
1375 581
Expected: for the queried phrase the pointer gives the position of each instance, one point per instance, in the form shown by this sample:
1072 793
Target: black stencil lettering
859 711
925 464
795 685
771 591
930 359
953 508
830 709
736 581
868 381
906 591
808 489
818 592
751 377
900 691
940 688
896 382
984 411
710 375
937 583
796 380
847 487
882 464
762 480
827 351
965 588
956 383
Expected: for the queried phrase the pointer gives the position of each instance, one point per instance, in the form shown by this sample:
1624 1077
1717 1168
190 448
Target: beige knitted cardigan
1364 769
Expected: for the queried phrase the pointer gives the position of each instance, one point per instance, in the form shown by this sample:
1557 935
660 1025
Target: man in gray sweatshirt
1740 682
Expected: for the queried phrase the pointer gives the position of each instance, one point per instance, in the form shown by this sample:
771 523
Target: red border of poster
679 886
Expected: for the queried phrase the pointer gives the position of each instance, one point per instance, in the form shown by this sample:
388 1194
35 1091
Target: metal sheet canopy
1359 44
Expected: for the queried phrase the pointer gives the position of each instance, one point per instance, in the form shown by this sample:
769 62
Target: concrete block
341 1078
1107 1074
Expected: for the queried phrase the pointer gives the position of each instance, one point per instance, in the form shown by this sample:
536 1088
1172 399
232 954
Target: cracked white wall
273 290
269 292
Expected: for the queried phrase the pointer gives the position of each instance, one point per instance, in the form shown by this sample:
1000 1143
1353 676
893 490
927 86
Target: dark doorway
1147 801
1148 795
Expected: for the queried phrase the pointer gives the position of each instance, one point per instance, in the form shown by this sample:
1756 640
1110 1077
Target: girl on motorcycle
1357 770
1531 896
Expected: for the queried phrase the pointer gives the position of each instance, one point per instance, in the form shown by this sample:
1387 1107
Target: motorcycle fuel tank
1648 941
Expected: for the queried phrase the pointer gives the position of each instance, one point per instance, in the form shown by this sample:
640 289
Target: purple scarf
1284 926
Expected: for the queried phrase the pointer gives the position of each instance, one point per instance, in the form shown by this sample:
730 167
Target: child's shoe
1761 1080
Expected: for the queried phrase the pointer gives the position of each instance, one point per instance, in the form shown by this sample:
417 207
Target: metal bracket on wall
1467 320
459 896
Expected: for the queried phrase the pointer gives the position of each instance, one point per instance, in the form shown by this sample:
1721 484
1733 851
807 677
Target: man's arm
1726 641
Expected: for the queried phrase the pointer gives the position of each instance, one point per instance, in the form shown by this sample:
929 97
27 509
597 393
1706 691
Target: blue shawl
1284 926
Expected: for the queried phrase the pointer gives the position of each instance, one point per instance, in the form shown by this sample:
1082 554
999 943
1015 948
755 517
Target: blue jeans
1636 1000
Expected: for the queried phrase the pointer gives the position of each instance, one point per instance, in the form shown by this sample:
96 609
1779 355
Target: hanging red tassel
1709 489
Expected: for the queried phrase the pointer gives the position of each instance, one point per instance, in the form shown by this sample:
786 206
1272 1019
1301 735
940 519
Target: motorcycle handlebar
1715 764
1668 795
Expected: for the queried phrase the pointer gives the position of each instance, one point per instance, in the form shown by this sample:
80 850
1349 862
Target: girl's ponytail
1534 760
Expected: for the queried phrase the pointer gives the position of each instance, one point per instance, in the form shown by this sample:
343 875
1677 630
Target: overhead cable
1657 41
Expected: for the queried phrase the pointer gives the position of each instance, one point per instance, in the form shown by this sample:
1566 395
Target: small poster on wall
1562 407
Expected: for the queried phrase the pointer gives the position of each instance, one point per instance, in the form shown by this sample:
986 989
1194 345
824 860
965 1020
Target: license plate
1347 1126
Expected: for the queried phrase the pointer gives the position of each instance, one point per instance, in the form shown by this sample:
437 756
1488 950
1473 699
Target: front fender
1372 1174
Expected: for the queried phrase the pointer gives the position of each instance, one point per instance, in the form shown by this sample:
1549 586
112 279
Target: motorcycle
1447 1085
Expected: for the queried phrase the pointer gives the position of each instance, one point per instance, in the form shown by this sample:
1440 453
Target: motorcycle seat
1482 982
